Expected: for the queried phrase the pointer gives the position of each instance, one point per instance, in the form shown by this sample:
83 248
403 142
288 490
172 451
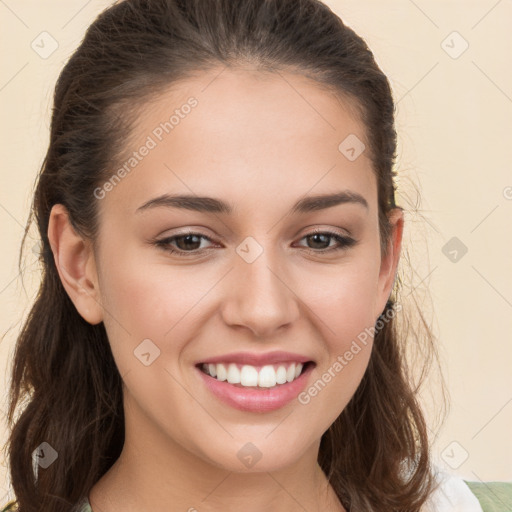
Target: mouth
255 389
256 377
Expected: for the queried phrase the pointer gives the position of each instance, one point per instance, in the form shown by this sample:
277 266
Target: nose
259 296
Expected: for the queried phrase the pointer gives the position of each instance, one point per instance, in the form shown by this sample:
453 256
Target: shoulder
83 506
452 495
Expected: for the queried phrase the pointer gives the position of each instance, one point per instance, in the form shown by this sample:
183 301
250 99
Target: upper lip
257 359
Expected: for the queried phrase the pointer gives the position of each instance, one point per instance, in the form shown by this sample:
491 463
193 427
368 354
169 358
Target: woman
217 323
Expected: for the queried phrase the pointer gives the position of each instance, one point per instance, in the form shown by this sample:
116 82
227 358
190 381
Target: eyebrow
212 205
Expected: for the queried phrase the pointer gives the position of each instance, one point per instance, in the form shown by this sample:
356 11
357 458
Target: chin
256 456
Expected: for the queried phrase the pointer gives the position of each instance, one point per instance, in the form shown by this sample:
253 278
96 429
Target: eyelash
344 243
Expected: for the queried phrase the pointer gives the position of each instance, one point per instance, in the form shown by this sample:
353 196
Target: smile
246 375
255 389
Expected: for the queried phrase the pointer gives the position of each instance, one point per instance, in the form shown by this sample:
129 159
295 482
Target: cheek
150 301
347 315
344 307
344 297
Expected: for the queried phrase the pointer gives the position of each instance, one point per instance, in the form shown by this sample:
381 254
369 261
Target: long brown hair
376 453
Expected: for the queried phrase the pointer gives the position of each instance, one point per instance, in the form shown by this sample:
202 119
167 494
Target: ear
389 263
74 259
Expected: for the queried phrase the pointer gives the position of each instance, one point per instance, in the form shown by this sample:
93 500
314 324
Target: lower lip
257 400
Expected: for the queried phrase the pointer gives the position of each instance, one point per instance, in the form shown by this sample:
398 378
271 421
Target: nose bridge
259 296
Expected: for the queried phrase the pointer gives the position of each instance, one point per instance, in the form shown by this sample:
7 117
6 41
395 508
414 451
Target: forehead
248 133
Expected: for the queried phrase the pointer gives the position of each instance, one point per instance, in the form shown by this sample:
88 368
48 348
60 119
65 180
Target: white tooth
233 374
281 375
290 374
249 376
221 372
267 377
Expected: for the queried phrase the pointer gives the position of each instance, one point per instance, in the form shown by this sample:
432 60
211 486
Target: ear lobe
74 259
389 263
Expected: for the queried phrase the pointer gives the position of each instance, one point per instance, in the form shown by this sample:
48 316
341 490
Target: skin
260 142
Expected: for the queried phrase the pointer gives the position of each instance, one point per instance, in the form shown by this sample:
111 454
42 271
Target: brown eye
189 244
319 241
184 244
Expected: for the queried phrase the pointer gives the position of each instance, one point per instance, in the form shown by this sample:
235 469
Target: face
181 285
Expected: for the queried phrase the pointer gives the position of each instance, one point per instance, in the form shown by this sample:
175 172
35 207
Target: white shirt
453 495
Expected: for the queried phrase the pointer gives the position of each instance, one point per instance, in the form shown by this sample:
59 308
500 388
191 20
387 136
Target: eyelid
334 231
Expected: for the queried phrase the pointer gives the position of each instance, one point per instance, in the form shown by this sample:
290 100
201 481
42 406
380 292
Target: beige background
454 117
